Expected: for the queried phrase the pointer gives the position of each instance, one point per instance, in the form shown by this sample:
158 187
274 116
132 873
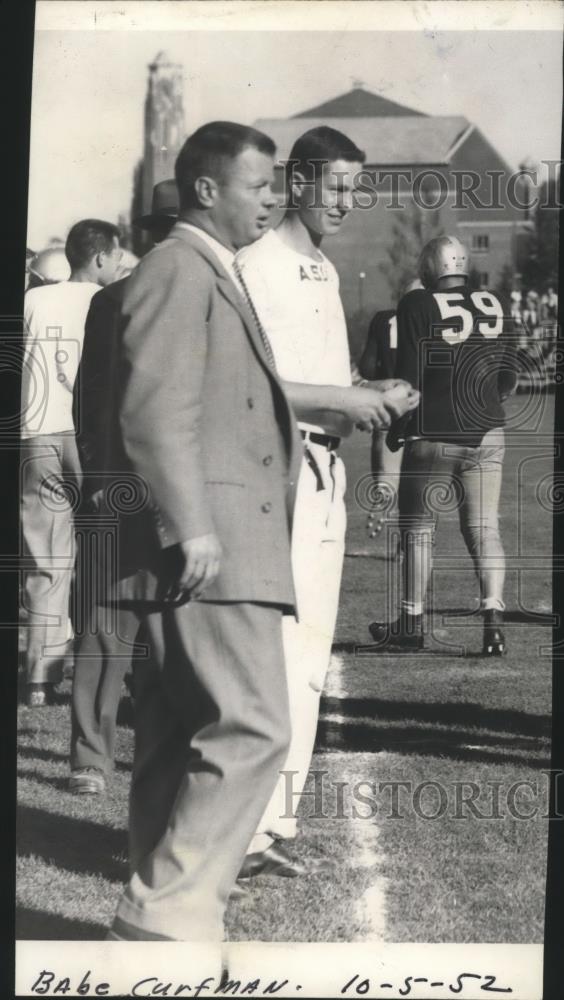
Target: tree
474 280
139 242
506 281
412 229
539 263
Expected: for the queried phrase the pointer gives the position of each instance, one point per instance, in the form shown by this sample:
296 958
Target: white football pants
318 545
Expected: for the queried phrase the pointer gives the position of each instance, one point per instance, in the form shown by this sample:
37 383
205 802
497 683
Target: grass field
448 724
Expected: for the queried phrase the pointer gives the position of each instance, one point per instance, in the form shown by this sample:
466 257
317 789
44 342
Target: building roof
359 103
387 141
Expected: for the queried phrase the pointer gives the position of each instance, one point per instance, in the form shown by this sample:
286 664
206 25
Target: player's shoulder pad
416 300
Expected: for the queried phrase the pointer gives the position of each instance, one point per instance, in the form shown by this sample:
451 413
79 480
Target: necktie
263 334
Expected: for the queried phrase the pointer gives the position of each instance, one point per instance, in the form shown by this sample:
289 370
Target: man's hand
372 409
383 384
202 557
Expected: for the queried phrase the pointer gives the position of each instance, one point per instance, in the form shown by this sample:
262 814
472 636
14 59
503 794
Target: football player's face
325 205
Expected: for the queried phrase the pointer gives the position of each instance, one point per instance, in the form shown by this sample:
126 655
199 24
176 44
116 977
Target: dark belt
330 443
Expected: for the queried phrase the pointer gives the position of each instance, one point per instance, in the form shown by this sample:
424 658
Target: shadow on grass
74 845
515 617
58 784
469 714
38 925
372 725
38 753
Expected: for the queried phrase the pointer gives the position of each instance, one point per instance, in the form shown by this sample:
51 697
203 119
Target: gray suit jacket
209 437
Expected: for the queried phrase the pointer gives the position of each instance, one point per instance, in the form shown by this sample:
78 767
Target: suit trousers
211 732
50 480
103 656
318 546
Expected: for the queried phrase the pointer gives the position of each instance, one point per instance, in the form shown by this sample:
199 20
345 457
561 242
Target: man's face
244 199
324 206
108 263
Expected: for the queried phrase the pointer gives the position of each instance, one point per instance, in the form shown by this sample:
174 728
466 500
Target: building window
484 279
480 243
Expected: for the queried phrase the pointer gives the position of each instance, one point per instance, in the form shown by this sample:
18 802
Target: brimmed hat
165 205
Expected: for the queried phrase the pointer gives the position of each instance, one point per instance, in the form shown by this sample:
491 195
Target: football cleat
404 634
494 639
443 257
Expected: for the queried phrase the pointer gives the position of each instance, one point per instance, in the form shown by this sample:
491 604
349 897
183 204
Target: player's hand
371 413
403 398
202 559
383 384
367 409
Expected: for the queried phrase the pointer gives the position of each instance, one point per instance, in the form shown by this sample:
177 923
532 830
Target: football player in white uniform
454 346
294 290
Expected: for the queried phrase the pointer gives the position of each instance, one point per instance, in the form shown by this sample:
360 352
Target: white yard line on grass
370 908
334 681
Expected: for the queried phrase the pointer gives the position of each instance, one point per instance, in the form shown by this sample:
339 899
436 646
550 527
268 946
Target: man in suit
102 655
213 449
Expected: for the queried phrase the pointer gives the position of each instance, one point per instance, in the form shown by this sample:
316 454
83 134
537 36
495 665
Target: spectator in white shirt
54 316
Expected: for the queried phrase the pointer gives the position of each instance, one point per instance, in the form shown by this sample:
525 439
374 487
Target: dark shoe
87 781
494 639
405 634
40 695
277 860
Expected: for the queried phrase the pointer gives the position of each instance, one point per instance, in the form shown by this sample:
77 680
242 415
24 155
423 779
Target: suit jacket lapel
226 286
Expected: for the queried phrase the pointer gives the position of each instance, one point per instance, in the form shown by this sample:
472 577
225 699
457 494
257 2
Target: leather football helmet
443 257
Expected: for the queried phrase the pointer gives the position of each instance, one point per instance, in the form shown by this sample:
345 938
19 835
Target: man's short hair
318 146
209 149
87 238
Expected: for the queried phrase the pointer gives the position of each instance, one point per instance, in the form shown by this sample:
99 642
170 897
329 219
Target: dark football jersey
379 356
456 347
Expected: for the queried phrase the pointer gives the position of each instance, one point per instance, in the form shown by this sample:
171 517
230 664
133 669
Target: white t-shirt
297 300
54 316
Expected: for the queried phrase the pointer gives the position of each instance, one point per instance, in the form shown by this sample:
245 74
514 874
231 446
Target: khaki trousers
49 484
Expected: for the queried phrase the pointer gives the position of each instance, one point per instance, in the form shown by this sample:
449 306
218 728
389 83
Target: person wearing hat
102 656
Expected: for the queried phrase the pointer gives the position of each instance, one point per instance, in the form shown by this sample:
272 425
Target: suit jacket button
250 402
266 507
267 460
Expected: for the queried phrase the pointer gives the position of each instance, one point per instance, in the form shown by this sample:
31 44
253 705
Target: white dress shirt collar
224 255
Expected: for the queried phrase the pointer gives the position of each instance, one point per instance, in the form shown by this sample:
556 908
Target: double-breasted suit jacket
202 429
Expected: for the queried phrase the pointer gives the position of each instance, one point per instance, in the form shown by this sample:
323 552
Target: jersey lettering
317 272
489 305
485 302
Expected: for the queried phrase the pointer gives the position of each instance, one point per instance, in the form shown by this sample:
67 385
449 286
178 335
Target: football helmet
49 266
443 257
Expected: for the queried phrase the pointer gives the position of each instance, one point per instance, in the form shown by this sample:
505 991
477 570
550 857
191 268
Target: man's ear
99 259
298 185
206 191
